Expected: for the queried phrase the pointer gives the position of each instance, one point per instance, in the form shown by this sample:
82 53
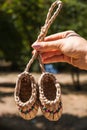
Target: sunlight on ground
74 106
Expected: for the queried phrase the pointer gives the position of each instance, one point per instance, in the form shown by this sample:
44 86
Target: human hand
66 46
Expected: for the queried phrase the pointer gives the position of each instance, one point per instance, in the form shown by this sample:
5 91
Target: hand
66 46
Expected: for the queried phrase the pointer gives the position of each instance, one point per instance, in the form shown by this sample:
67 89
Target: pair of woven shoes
29 96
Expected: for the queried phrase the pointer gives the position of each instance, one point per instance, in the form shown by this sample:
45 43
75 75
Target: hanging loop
49 20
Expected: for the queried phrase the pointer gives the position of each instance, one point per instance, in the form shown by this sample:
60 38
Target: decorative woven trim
50 106
30 105
51 114
52 111
28 113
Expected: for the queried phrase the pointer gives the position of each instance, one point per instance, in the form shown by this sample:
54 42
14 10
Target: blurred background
20 23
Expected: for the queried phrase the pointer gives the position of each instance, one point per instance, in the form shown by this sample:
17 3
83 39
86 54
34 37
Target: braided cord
49 20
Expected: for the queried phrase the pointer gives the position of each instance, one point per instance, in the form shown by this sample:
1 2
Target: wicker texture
26 92
26 96
50 96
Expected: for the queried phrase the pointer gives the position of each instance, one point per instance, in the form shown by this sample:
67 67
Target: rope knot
49 20
42 33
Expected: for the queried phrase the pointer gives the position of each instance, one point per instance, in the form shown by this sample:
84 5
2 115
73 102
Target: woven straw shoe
26 96
50 97
49 89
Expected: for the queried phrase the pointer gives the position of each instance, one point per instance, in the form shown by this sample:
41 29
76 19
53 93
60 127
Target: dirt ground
74 115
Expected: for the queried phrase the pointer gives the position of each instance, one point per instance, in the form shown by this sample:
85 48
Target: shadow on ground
6 90
7 84
66 89
67 122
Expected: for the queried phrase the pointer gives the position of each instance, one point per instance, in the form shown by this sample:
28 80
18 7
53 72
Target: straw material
26 96
26 91
50 96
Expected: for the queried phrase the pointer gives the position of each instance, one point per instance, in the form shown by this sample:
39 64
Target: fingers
48 46
50 54
54 56
33 51
52 42
58 36
57 58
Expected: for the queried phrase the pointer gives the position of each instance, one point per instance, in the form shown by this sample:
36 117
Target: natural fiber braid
26 90
49 20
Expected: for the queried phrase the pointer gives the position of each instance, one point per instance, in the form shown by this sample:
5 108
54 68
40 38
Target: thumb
48 46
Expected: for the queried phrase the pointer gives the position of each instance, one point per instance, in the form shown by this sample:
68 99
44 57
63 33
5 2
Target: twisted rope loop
49 20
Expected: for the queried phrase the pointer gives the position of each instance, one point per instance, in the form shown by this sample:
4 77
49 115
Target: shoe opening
25 89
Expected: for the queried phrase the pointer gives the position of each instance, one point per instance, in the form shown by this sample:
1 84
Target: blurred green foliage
21 20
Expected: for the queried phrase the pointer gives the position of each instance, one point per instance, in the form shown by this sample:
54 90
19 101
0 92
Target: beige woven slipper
50 97
49 89
26 96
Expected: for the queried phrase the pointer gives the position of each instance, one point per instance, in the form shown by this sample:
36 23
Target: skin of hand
65 46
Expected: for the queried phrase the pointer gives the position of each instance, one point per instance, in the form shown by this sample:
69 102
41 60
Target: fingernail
36 46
